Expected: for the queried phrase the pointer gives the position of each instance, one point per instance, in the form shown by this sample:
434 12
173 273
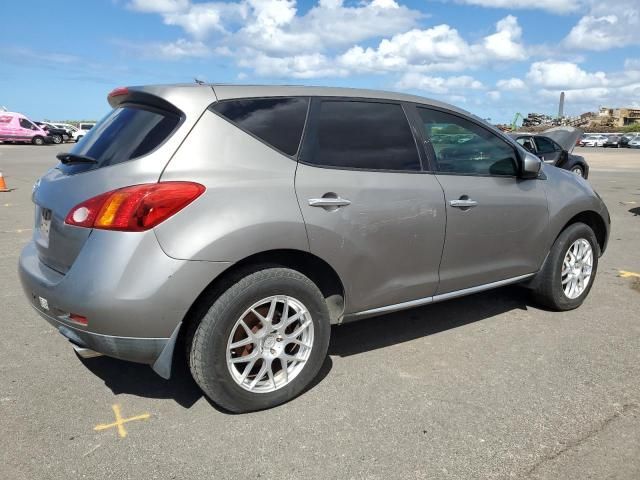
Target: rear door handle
467 203
329 202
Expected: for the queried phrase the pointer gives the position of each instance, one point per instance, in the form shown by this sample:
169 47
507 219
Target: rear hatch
131 145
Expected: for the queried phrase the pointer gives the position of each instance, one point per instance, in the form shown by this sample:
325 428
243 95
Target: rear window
126 133
279 122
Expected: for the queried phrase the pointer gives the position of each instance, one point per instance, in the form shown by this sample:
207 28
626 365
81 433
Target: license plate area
44 226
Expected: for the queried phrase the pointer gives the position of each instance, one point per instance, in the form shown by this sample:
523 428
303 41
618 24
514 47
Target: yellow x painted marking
119 423
624 274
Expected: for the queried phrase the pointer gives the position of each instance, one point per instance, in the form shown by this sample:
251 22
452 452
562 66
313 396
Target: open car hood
566 137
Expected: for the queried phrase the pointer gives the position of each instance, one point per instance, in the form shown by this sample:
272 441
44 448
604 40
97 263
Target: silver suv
241 222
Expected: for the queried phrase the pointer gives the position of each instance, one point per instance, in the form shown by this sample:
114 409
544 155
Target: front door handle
329 202
463 203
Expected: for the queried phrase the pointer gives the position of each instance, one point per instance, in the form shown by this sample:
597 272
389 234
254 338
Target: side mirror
530 166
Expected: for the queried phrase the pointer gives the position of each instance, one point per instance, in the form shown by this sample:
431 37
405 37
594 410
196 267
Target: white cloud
297 66
494 95
568 75
511 84
506 44
605 27
438 85
554 6
159 6
440 48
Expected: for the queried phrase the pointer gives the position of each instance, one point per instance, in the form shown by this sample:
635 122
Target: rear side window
279 122
127 132
363 135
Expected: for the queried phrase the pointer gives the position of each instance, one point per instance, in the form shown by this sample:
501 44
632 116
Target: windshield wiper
69 158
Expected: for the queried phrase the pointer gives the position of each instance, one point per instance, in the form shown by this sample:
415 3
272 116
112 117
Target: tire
548 289
211 354
57 139
577 170
37 140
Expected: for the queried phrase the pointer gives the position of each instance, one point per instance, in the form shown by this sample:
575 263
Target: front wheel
37 140
57 139
262 342
567 276
578 170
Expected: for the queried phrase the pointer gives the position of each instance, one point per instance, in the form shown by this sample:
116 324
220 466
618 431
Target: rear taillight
136 208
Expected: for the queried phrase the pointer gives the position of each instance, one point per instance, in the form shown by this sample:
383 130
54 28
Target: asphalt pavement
488 386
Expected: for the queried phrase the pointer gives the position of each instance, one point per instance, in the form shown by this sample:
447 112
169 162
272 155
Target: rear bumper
88 344
133 295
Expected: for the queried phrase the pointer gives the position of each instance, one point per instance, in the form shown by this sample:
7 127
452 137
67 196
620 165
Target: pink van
15 127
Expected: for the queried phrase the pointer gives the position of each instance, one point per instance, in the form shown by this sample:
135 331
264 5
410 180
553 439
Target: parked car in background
58 135
71 129
555 147
242 221
624 141
613 141
17 128
593 141
83 129
635 143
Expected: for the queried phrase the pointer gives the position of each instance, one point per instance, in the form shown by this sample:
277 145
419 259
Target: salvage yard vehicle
16 128
58 135
241 222
83 129
593 141
634 143
613 141
629 137
555 147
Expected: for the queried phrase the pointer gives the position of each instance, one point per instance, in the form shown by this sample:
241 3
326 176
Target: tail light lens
136 208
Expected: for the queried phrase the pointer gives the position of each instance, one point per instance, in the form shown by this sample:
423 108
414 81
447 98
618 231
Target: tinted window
527 143
466 148
365 135
276 121
125 133
546 145
24 123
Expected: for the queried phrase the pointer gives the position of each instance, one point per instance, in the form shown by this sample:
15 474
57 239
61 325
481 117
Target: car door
496 222
549 151
370 210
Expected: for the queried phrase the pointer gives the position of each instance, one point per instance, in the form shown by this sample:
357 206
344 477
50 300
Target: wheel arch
310 265
595 221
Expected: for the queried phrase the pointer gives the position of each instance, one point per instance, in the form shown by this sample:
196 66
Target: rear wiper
68 158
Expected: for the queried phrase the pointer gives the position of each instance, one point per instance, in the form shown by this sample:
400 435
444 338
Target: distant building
618 117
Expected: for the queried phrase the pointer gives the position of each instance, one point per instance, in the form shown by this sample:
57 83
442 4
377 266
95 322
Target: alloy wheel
270 344
576 268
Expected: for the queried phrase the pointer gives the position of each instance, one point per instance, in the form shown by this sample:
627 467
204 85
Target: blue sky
491 57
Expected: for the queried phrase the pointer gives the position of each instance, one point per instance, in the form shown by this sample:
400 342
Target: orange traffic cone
3 184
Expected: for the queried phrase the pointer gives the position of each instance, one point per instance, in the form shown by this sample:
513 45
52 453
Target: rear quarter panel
250 205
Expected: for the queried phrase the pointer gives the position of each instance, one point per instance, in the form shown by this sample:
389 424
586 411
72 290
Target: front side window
279 122
546 145
465 148
364 135
24 123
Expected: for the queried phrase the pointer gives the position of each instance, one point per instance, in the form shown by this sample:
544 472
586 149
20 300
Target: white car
635 143
593 141
83 128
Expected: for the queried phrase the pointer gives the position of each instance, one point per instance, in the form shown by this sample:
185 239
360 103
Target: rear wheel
262 342
37 140
567 276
